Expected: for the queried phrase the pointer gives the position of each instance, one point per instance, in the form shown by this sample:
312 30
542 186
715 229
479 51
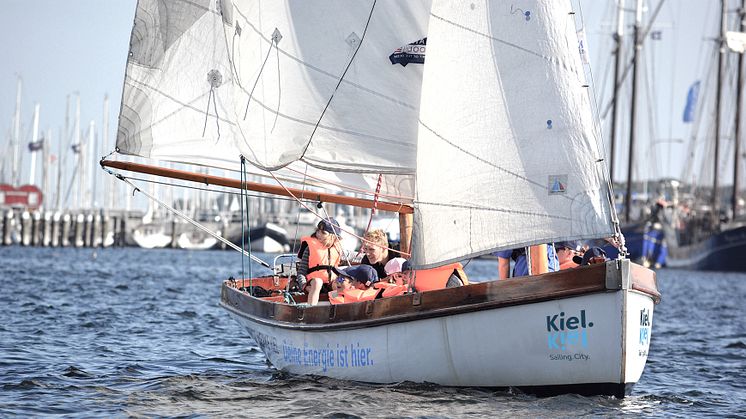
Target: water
120 332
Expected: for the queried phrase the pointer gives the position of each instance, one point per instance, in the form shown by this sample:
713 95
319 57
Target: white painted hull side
586 339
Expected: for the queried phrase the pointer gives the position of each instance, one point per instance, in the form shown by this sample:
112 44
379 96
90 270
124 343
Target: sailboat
707 239
487 143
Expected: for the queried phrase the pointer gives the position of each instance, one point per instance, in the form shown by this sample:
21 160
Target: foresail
508 153
208 81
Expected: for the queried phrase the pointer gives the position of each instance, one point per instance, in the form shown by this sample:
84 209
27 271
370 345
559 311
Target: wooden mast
257 187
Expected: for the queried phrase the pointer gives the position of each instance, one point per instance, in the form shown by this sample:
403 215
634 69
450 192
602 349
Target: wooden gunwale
419 306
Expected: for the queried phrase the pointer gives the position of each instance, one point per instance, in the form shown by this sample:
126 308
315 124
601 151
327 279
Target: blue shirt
521 267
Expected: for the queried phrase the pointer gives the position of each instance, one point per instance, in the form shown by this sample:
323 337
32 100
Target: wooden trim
409 307
645 281
257 187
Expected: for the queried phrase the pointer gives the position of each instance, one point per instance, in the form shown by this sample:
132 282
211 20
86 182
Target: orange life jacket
568 264
437 278
353 295
391 289
321 260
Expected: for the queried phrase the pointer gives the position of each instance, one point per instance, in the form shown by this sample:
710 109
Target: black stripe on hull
618 390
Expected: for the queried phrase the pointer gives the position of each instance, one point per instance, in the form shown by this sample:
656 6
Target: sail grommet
353 40
276 36
215 78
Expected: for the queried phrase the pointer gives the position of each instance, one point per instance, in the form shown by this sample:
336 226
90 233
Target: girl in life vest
319 254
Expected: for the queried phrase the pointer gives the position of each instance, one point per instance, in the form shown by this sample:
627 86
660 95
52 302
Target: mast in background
105 141
632 127
77 147
718 100
62 153
739 91
17 135
46 141
618 37
33 144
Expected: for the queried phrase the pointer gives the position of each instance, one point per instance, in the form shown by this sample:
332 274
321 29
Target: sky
60 48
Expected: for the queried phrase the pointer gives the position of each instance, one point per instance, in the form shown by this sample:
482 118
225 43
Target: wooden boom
257 187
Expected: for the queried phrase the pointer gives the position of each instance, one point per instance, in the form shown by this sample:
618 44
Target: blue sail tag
691 102
557 184
413 53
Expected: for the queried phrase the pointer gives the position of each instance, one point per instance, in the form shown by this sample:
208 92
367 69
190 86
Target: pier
83 228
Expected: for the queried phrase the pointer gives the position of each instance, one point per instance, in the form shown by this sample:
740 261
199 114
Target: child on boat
319 256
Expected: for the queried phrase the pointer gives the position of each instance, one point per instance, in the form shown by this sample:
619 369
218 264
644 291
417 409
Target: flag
36 145
691 102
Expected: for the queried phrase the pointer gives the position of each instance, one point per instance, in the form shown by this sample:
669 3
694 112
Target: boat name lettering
347 356
567 332
569 357
644 330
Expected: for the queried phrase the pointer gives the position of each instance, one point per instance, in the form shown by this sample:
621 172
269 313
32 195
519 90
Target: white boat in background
489 144
151 236
195 240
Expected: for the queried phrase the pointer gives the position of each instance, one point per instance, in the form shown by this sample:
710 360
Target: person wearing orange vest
319 255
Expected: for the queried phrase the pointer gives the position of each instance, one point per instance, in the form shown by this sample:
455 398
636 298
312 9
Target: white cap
394 265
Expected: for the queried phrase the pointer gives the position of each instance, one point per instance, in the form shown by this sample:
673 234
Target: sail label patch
413 53
557 184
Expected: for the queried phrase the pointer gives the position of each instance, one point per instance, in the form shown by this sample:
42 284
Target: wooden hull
583 331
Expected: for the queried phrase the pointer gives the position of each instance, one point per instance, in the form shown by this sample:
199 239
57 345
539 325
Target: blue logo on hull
567 333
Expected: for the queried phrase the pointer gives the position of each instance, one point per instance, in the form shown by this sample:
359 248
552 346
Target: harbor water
131 332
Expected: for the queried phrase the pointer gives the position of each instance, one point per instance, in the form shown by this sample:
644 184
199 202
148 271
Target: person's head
566 250
376 246
395 265
360 276
328 231
591 257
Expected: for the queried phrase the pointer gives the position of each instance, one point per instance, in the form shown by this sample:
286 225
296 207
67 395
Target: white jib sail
209 80
507 151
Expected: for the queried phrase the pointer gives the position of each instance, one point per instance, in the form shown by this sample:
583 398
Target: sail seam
478 158
510 211
510 44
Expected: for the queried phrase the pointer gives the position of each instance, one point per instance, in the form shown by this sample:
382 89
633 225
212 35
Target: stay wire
248 220
243 232
258 76
185 217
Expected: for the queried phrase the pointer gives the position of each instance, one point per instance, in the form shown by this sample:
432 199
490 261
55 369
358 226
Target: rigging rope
243 234
185 217
321 217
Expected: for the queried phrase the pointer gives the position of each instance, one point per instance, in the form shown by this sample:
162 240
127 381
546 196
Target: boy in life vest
319 255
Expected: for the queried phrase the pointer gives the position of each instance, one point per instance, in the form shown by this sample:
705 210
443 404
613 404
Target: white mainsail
208 81
508 154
